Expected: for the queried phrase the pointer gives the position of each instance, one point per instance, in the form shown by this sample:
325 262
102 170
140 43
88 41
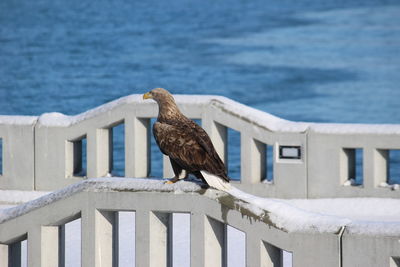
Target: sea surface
315 61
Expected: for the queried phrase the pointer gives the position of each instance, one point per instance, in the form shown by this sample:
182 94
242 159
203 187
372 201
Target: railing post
3 255
98 153
380 166
153 240
253 250
43 245
99 238
197 245
208 241
217 132
18 146
215 240
252 159
137 147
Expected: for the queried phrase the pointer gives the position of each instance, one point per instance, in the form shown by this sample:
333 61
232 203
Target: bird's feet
173 180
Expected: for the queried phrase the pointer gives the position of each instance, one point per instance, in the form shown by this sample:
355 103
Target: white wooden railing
43 153
98 201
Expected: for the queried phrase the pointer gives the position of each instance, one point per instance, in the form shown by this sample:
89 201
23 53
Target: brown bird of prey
188 146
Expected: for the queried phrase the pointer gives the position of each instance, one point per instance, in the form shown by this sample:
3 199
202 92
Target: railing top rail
243 112
100 185
256 117
18 120
355 128
278 213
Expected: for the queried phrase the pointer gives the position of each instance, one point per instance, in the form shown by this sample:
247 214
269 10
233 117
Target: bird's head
159 95
166 103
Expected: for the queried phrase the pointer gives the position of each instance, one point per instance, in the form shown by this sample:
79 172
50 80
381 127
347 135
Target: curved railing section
309 160
314 240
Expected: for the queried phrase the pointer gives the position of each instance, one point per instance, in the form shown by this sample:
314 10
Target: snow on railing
270 226
308 160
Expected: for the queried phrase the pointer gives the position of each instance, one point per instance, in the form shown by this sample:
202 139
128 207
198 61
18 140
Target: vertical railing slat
99 241
160 239
215 243
98 153
253 251
4 255
252 159
137 147
142 236
197 245
217 132
207 241
380 165
43 247
153 238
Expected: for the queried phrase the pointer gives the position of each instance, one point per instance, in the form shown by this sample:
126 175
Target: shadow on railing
278 158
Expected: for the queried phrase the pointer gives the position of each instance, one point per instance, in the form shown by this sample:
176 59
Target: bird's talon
172 181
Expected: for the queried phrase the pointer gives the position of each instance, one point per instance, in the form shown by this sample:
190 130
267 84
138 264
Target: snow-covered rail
269 227
310 160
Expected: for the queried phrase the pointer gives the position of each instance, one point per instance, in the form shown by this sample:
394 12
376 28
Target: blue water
321 61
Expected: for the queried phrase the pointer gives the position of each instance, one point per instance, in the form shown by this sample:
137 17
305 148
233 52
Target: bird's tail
221 184
216 182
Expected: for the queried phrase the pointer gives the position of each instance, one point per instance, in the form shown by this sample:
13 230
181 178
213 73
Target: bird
187 145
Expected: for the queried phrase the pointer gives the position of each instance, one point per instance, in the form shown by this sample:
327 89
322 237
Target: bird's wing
189 147
204 140
177 142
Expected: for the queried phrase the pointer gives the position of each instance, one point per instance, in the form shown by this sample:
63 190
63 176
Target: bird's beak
147 95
